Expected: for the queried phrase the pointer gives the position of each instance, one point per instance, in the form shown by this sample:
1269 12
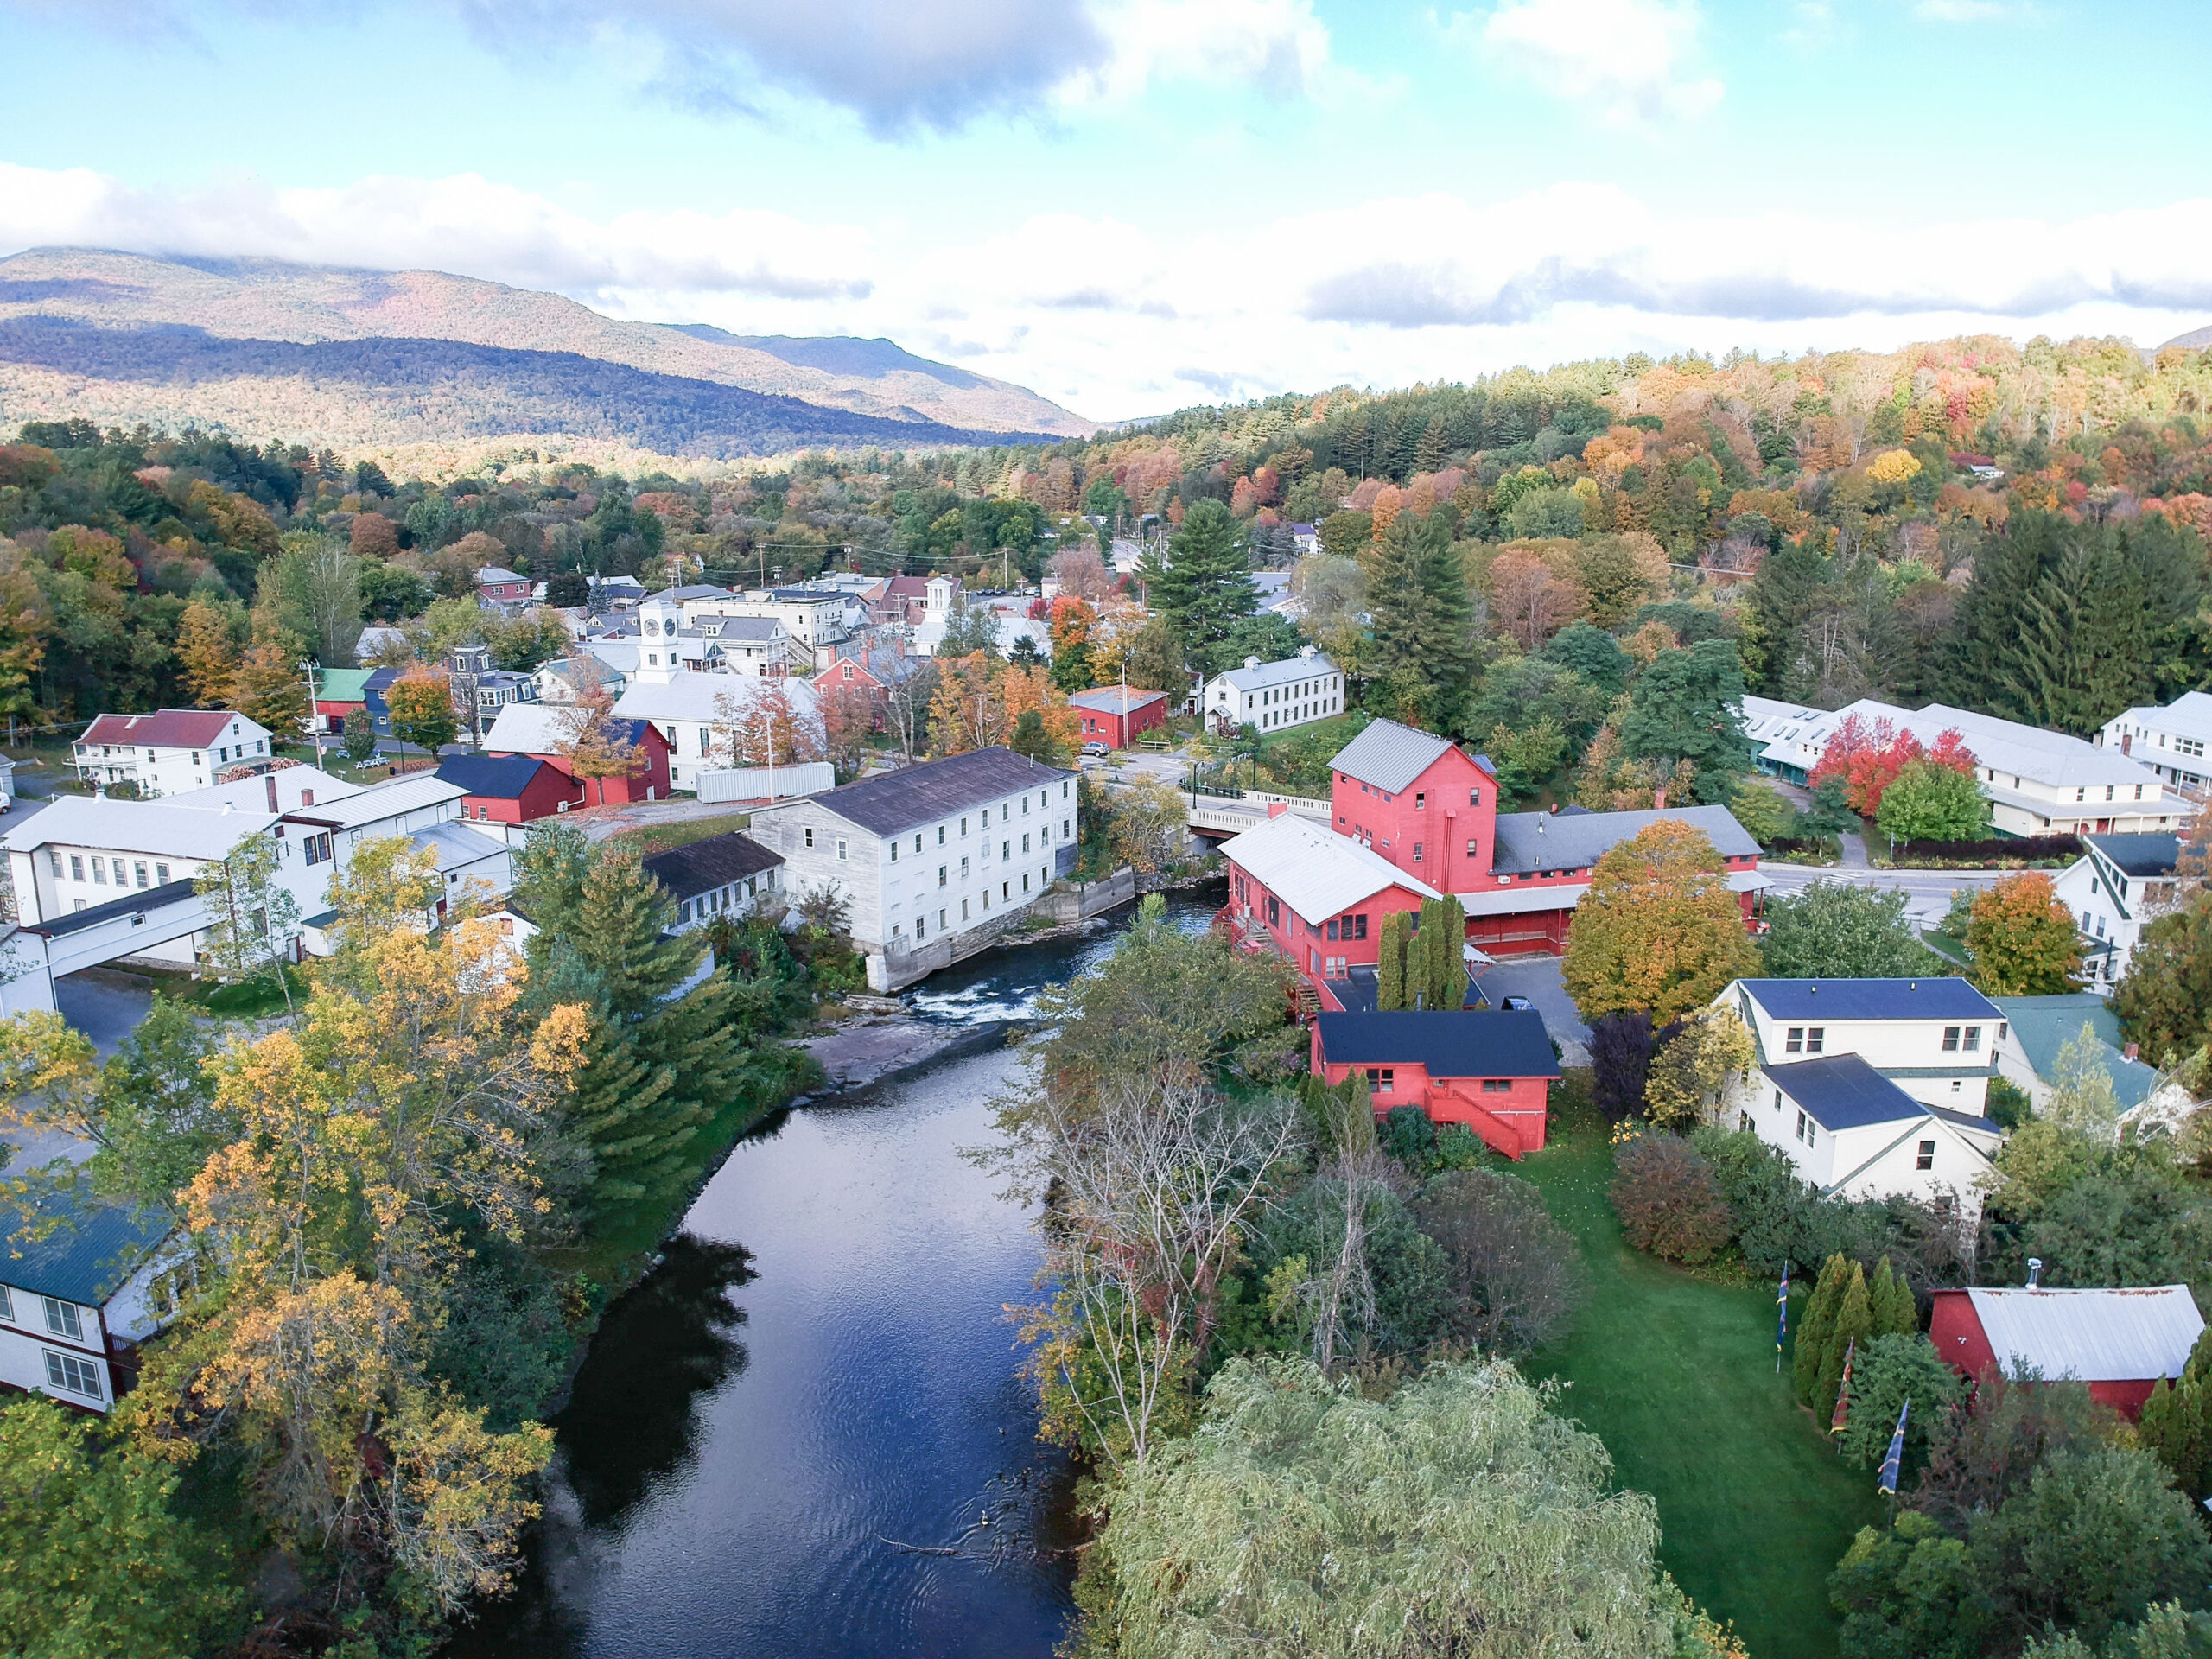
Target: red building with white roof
1491 1071
1319 899
2118 1342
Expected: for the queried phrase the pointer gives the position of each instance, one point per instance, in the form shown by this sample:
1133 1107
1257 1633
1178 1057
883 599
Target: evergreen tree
2175 1424
1203 584
1783 596
1422 618
1854 1323
1813 1328
1390 971
1441 976
1896 1313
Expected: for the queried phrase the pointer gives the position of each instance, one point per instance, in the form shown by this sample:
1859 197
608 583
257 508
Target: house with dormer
1872 1088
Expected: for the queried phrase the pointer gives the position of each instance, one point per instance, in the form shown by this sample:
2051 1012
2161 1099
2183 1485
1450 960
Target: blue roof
1466 1045
1931 998
498 777
1841 1091
86 1253
2044 1025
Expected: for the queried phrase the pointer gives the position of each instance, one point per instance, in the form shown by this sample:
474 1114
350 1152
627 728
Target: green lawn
1676 1374
680 832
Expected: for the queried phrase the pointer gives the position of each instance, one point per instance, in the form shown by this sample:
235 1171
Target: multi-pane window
1926 1159
61 1319
1974 1040
1380 1079
75 1375
1815 1036
1793 1040
1498 1085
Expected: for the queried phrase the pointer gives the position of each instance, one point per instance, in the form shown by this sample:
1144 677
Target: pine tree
1390 971
1204 584
1448 985
1423 618
2176 1423
1854 1322
1813 1328
1896 1313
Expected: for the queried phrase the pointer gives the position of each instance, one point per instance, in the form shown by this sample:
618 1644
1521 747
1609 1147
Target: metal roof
170 728
86 1253
2138 854
1388 756
456 844
342 684
690 695
76 921
2090 1336
1841 1091
913 796
1113 699
1316 872
1932 998
155 828
702 866
1459 1044
495 777
1575 841
374 805
1260 676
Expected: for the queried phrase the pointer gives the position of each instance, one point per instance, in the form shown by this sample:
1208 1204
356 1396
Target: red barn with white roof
2118 1342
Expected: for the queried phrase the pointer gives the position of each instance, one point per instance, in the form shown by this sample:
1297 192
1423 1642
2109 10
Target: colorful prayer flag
1781 1318
1889 1487
1843 1395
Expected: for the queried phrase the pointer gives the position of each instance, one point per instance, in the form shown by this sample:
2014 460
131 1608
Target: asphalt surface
1537 978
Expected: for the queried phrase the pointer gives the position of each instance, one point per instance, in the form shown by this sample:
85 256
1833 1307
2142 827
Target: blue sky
1134 204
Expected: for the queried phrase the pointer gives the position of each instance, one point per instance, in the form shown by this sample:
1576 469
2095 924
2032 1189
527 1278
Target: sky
1132 206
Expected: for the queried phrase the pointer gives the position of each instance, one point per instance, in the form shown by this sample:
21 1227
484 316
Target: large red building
1117 716
2118 1342
511 788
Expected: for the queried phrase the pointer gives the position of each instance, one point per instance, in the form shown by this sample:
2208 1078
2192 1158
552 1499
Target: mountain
2196 339
350 357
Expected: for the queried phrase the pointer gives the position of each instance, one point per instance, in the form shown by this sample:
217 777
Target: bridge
1221 816
33 956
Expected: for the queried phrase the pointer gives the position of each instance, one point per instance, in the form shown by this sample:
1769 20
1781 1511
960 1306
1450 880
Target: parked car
1518 1005
1097 751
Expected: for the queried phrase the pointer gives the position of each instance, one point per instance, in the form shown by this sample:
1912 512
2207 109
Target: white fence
767 783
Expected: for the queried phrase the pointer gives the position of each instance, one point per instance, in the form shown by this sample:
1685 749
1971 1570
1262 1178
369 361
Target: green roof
79 1253
343 685
2046 1024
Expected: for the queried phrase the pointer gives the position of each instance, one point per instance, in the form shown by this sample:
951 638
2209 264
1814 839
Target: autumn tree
1530 600
595 745
1692 1073
1659 933
847 720
1150 827
2022 939
270 685
965 712
373 537
421 702
207 647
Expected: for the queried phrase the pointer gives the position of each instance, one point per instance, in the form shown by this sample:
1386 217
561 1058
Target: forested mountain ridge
151 302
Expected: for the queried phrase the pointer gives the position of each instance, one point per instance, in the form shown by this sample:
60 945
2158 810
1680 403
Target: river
819 1384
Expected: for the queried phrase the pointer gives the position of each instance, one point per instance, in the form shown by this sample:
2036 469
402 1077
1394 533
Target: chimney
269 778
2035 1271
2133 1052
1251 662
1276 809
1659 800
1305 652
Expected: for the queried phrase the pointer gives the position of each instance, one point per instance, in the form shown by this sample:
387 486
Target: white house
2118 884
673 640
928 855
1274 697
2170 741
563 680
168 752
2036 1028
1872 1087
2038 783
697 714
81 1285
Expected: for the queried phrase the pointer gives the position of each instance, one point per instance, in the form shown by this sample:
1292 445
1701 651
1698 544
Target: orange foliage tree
2022 939
1869 754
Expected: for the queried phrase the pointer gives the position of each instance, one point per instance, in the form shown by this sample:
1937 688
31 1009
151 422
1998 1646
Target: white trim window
76 1375
62 1321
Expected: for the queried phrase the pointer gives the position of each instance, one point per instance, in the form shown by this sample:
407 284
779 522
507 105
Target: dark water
822 1363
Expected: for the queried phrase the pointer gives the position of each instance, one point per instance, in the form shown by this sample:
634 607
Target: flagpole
1781 1318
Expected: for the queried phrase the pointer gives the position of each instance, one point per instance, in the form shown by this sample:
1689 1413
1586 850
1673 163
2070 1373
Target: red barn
2118 1342
1431 809
511 788
1117 716
545 731
1492 1072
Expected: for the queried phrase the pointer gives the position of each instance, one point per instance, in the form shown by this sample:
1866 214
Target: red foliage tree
1869 754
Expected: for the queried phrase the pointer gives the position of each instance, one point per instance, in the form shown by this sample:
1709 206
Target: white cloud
1628 60
1572 271
1280 44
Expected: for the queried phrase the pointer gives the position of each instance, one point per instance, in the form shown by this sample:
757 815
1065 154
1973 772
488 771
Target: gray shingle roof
936 789
1544 841
702 866
1388 756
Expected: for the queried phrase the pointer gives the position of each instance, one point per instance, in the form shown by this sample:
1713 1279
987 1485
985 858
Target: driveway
1537 978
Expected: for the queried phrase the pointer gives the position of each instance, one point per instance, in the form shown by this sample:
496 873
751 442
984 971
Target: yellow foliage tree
1659 933
1893 467
210 656
1691 1074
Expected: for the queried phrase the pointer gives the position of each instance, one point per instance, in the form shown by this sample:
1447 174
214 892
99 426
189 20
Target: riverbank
876 1048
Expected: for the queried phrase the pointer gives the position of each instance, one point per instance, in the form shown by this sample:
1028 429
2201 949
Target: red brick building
1491 1071
511 788
1118 715
2118 1342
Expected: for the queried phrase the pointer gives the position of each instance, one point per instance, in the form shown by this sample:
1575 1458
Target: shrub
1409 1136
2006 850
1621 1047
1667 1200
1515 1272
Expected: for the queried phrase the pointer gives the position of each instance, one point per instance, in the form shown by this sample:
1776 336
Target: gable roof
690 695
342 684
1841 1091
2138 854
487 573
2043 1025
2091 1336
495 777
1317 873
1113 699
1388 756
890 802
411 793
153 827
702 866
290 784
87 1256
168 728
1575 841
1261 676
1930 998
1470 1043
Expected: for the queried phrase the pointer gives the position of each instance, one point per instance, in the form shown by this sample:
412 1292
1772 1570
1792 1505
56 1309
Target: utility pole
308 666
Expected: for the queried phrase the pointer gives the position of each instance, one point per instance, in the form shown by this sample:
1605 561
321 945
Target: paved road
1928 892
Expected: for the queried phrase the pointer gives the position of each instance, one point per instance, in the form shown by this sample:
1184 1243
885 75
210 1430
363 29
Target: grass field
681 832
1676 1374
